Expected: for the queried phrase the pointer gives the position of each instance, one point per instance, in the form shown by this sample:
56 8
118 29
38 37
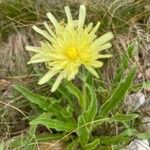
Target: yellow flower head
69 46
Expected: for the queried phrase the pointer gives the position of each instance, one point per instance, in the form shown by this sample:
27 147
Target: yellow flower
69 46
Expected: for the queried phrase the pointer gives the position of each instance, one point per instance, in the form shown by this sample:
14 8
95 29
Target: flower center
72 53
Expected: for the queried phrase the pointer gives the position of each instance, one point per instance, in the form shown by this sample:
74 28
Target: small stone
146 124
140 76
146 107
134 101
138 145
147 90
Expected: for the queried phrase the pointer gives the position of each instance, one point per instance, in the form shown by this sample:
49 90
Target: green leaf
87 117
89 78
70 146
125 136
42 102
66 94
49 137
60 112
118 76
73 145
146 84
128 55
54 124
92 107
83 131
122 117
118 94
130 50
31 137
93 145
1 146
48 105
140 86
77 93
145 135
125 59
24 142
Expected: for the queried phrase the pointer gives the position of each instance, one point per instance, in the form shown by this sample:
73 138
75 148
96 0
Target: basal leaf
131 49
118 94
54 124
48 137
93 145
42 102
30 137
118 76
83 131
126 117
146 84
87 117
120 138
92 107
73 145
128 55
77 93
1 146
66 94
24 142
145 135
60 112
125 59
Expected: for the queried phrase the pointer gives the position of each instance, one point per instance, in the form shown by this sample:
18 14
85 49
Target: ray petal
95 28
97 64
89 27
103 39
72 73
33 48
40 60
42 32
105 56
57 82
92 71
105 46
48 29
52 19
47 76
68 13
82 15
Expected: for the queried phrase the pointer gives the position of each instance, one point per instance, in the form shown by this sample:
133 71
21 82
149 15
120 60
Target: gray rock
134 101
146 124
138 145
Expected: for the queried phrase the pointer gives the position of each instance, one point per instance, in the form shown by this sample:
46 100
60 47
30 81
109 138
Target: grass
127 19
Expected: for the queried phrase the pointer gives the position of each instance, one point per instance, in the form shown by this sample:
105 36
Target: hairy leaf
118 94
145 135
122 117
87 117
120 138
54 124
43 102
125 59
77 93
93 145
